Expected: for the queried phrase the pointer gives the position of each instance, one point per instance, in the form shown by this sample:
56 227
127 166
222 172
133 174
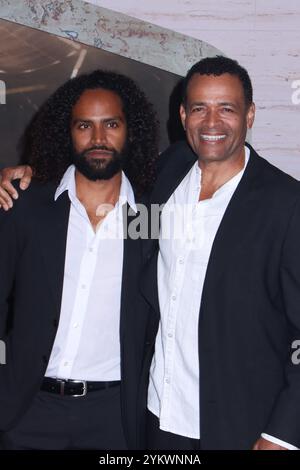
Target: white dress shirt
188 229
87 343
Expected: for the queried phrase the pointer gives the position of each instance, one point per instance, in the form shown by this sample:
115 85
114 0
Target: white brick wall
264 35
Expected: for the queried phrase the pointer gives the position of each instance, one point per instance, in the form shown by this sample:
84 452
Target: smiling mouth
212 138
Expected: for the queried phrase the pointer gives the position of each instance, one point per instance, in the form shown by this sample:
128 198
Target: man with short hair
70 315
228 289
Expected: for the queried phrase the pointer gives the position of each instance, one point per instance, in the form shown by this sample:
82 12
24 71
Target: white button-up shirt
188 229
87 343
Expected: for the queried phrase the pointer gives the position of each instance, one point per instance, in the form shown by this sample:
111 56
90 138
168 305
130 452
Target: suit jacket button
45 359
55 322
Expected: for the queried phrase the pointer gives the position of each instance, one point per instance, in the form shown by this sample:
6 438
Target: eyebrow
204 103
197 103
89 121
227 103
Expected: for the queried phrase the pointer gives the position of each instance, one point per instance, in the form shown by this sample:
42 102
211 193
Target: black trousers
55 422
162 440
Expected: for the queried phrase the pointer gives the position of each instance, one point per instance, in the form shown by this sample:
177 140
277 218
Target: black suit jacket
250 308
32 256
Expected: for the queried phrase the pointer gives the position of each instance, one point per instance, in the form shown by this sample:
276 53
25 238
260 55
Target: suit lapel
132 273
53 227
130 262
237 217
180 162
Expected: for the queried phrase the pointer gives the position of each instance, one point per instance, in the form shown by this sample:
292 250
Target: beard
99 168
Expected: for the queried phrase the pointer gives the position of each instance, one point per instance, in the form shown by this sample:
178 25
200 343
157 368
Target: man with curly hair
70 316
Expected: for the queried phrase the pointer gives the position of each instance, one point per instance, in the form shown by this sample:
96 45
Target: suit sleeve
284 423
8 261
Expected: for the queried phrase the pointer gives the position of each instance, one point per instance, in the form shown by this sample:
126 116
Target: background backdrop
263 35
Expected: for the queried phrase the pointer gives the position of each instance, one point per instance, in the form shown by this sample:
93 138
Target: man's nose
99 135
212 118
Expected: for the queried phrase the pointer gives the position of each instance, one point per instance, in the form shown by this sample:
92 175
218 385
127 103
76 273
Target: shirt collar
68 184
232 181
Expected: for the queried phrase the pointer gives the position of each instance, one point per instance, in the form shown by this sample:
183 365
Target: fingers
26 178
7 190
6 202
7 186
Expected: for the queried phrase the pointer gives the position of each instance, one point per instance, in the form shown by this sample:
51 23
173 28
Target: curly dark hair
217 66
47 146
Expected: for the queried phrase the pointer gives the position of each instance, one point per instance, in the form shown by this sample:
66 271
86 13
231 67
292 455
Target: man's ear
182 113
250 116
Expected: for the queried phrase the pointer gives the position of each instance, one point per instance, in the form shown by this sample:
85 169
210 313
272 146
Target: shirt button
181 261
66 363
83 286
170 335
75 325
91 250
167 380
173 297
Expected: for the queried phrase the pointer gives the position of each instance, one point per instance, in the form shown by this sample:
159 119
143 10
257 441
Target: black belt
74 388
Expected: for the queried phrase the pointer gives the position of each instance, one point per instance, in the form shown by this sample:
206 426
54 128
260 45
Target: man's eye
228 110
198 109
112 124
83 125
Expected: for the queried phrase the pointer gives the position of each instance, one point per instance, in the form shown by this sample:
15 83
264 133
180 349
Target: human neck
216 174
94 194
100 191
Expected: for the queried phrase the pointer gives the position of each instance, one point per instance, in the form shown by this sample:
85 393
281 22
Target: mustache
99 147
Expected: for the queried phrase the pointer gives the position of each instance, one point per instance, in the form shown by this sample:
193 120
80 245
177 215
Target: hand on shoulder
7 191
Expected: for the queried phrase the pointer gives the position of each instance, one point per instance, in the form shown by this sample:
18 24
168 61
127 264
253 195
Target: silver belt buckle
63 382
84 384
